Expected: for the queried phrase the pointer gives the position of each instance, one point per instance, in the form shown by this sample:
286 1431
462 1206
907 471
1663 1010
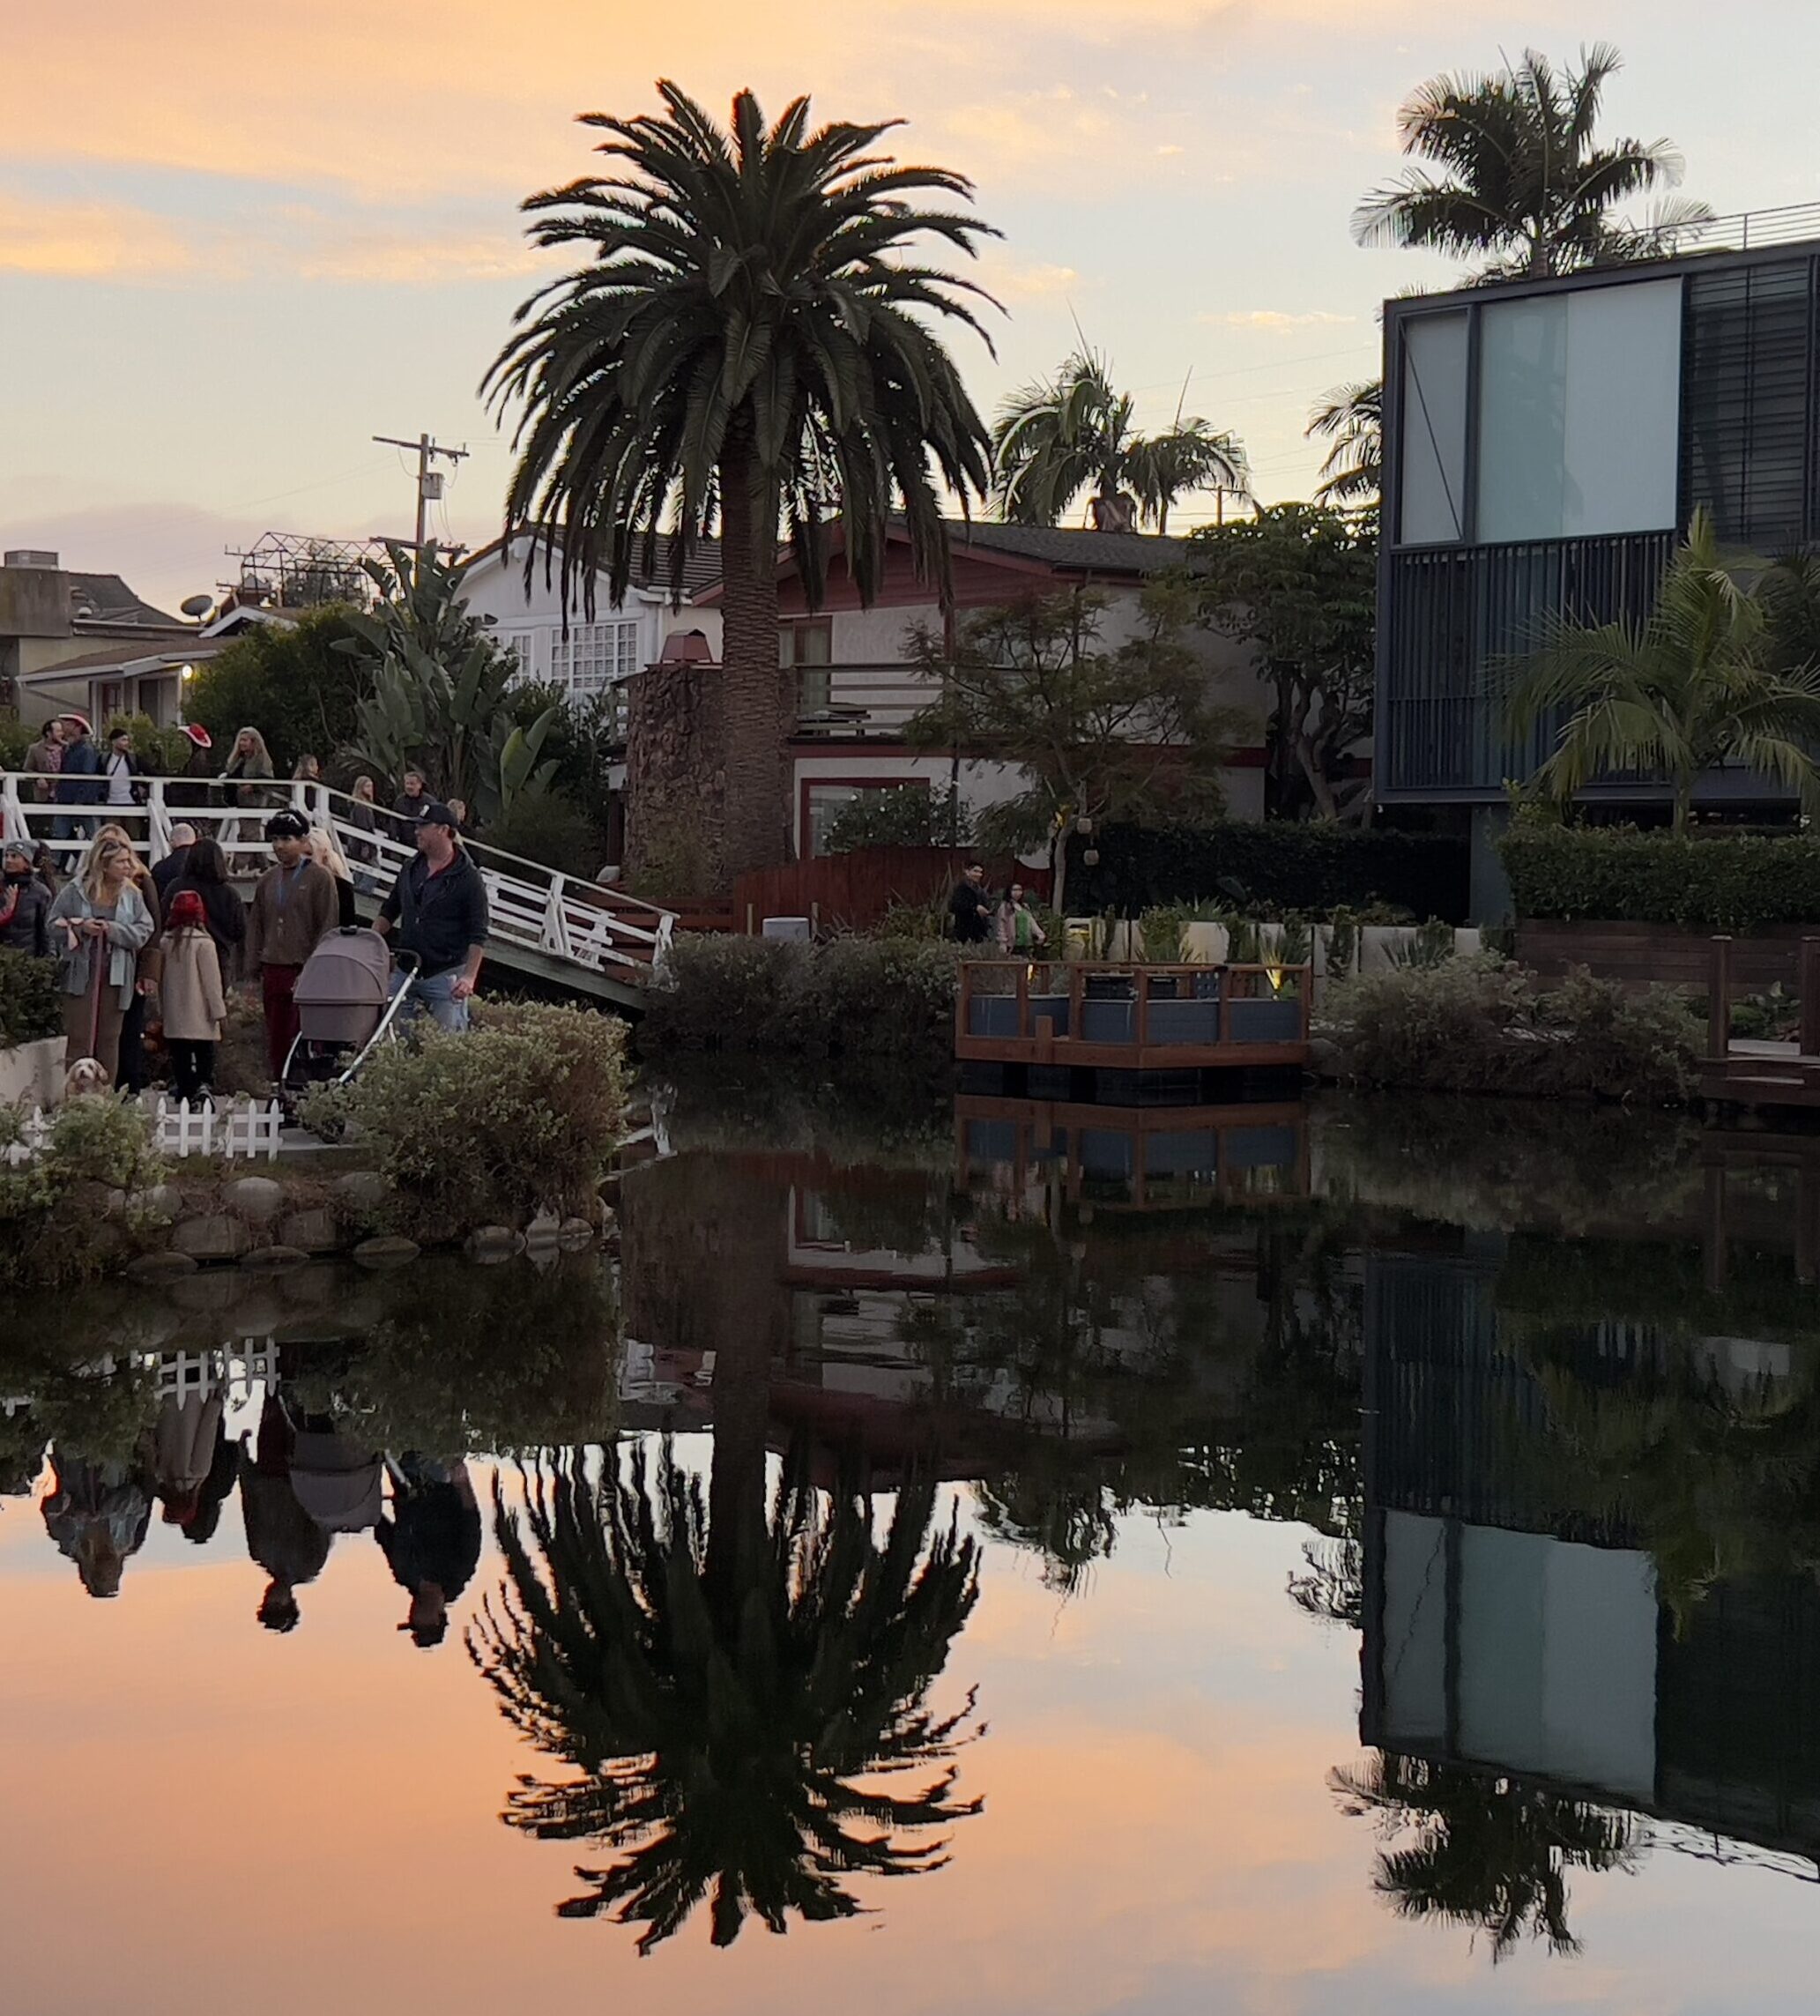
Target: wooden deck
1129 1017
1761 1073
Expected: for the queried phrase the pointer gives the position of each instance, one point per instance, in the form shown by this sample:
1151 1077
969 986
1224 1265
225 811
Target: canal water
1360 1558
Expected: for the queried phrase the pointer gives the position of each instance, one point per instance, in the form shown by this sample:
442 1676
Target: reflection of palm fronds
1055 1502
742 1746
1487 1851
1332 1588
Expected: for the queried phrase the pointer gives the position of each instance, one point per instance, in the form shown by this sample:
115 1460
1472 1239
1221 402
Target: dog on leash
87 1078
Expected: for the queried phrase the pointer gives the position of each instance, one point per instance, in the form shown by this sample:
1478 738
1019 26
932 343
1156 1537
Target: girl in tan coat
191 991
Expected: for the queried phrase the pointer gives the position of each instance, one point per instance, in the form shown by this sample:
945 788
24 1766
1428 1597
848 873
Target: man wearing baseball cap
437 914
294 908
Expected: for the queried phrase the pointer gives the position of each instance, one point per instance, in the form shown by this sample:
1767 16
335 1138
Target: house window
523 646
593 655
823 802
806 644
1434 430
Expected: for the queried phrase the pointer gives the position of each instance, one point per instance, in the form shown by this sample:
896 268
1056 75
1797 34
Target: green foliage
676 864
1432 944
1351 418
1298 584
31 1009
855 998
1515 178
522 1112
1074 432
1128 734
550 827
1724 882
51 1206
901 815
585 740
438 694
15 740
1691 688
1477 1025
1310 869
296 685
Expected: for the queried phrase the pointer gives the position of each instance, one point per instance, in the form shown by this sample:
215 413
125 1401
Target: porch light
186 673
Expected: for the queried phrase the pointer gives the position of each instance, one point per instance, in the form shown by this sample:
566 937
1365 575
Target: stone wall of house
676 779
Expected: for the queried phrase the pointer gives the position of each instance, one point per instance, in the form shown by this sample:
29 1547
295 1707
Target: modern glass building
1546 442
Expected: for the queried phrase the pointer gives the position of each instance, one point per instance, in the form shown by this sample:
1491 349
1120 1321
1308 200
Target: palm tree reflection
1487 1851
759 1741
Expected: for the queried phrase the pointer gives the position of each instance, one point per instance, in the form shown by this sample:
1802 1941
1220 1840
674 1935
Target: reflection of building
1511 1626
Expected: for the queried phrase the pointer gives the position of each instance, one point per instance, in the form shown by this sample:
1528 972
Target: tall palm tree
1351 419
1688 689
1075 432
1487 1851
744 349
1516 175
758 1743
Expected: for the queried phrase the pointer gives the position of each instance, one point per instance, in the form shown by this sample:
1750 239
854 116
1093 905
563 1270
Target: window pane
1748 424
1522 418
1433 429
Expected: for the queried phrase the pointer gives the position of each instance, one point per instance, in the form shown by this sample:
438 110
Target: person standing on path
121 768
971 908
293 909
437 910
99 924
1017 928
205 871
190 994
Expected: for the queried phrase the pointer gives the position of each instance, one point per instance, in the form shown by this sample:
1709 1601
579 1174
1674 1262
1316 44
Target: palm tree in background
751 1728
1351 420
1075 432
1690 688
746 348
1516 176
1487 1851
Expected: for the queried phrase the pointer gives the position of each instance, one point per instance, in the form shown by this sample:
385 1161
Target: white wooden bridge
587 937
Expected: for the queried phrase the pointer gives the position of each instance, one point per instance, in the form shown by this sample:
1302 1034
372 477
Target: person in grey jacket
97 925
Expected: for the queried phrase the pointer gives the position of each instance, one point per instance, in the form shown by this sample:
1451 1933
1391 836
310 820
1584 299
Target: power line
429 481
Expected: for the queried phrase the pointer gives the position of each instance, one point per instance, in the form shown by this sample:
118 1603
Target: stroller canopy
342 990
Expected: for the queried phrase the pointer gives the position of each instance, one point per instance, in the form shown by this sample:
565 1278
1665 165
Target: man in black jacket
970 908
437 913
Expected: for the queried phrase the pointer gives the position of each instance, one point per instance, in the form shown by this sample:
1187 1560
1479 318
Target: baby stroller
344 1008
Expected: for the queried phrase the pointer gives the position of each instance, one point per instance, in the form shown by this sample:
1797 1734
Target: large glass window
1579 412
1434 402
593 655
1749 431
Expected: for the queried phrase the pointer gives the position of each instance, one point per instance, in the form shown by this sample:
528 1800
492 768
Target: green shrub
52 1206
552 829
521 1113
852 997
901 815
15 740
1478 1025
1734 881
1270 869
30 1006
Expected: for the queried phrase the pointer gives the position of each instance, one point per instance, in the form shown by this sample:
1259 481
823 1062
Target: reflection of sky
286 1822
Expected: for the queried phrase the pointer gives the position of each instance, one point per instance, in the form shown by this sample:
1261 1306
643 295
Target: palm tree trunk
757 712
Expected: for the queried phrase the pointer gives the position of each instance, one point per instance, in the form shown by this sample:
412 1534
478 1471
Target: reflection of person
432 1541
281 1537
98 1514
293 909
99 924
970 908
437 912
1017 929
184 1444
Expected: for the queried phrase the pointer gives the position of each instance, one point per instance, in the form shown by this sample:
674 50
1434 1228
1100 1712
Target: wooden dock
1070 1022
1762 1074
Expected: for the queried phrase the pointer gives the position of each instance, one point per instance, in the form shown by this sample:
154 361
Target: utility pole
429 482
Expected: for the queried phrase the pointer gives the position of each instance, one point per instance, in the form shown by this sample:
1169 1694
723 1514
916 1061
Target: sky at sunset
236 242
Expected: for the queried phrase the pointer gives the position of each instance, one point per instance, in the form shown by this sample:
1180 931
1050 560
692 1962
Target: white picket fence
588 925
244 1132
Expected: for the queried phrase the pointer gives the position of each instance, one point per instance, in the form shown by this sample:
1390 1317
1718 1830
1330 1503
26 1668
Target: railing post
1225 974
1809 981
1718 1001
1023 999
158 822
1142 1021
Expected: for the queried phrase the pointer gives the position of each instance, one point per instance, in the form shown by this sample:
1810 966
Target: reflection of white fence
534 908
242 1132
230 1371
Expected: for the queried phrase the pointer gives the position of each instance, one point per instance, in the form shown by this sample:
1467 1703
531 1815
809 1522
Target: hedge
1726 882
31 1009
1281 865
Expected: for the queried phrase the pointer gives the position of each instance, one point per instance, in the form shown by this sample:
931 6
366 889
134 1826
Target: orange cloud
87 240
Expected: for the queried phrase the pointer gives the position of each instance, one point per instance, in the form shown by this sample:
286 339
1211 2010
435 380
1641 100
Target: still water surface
1032 1561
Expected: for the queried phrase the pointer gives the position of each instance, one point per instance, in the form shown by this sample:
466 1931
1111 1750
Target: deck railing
533 908
1053 996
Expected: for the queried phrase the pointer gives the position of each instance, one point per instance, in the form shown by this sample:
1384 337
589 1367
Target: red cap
187 908
199 734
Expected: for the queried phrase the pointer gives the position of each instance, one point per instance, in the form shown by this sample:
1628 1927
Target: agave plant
751 1730
439 700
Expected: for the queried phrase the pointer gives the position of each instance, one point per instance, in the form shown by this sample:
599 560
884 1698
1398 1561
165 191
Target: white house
586 655
859 685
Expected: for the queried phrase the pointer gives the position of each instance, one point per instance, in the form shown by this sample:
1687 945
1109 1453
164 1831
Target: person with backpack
193 999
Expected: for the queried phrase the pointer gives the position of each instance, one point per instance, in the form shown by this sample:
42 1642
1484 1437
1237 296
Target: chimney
31 556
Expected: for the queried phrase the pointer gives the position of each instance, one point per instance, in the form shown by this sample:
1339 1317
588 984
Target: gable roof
700 569
106 598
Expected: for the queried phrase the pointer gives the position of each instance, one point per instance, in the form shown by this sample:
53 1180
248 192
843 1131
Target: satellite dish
197 606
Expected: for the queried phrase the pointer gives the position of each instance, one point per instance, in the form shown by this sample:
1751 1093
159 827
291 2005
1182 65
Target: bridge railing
535 908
